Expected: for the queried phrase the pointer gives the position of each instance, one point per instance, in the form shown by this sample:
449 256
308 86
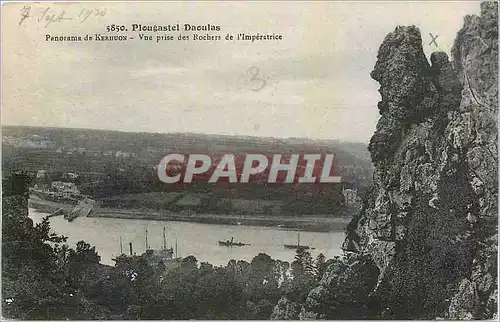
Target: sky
317 78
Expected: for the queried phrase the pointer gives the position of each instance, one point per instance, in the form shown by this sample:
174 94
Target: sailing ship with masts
161 254
298 246
155 256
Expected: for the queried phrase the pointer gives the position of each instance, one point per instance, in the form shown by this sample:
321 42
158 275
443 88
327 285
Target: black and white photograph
249 160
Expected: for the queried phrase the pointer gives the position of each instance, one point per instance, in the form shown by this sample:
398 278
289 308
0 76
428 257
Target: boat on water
167 255
298 246
231 243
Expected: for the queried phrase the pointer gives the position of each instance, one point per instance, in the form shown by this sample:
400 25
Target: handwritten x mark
433 40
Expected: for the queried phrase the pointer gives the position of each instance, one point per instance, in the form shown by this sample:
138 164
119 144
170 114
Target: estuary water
199 240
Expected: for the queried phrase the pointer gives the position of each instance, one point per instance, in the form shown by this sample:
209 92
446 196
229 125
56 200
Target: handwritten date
48 15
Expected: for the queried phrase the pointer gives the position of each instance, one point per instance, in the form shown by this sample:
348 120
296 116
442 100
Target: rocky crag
425 243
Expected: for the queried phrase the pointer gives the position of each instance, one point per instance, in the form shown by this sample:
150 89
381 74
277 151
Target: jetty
82 209
58 212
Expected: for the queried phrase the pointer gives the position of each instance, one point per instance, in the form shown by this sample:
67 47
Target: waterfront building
66 188
41 174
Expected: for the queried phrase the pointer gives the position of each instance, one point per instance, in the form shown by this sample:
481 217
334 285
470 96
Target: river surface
200 240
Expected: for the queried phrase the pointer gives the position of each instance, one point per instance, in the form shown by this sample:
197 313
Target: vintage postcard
249 160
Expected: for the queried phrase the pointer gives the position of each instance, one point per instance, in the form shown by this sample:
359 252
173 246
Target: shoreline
305 223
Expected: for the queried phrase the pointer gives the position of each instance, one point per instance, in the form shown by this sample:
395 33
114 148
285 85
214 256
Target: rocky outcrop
429 222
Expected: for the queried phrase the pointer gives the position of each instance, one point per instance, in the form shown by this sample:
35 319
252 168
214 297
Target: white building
41 174
108 153
350 195
72 175
41 187
121 154
65 187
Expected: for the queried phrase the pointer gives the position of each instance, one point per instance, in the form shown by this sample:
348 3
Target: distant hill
113 163
36 148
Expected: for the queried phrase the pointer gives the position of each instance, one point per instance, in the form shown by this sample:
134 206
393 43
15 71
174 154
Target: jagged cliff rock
429 222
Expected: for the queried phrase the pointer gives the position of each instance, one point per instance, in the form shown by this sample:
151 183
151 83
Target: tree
189 262
160 268
84 253
303 277
320 266
303 263
41 278
32 278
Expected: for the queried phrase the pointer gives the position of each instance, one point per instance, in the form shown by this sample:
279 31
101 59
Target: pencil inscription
48 15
